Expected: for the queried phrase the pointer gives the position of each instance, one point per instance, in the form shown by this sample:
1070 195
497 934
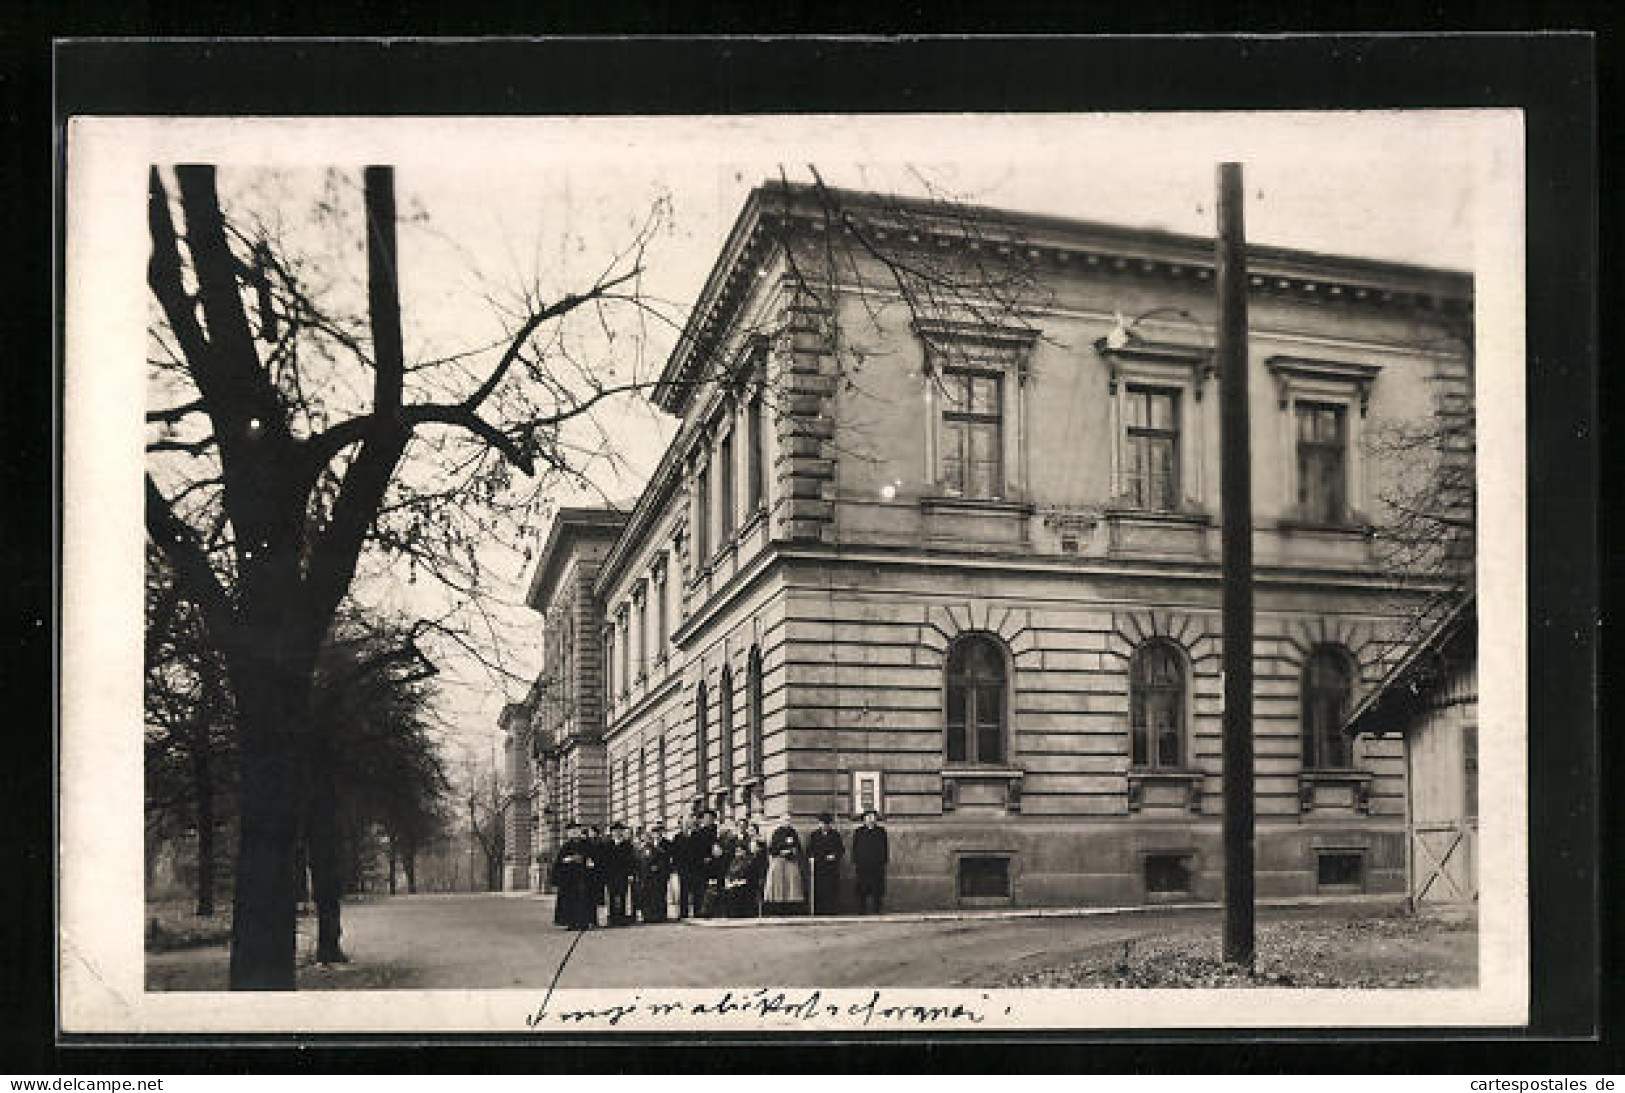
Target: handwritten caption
764 1004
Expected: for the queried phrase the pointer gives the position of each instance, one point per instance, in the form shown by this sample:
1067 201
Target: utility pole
1236 515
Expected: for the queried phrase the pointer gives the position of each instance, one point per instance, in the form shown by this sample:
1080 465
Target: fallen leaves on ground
1375 951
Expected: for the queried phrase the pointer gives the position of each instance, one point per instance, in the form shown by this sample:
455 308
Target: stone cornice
775 212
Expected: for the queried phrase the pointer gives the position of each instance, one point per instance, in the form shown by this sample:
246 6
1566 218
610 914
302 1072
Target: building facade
939 533
554 740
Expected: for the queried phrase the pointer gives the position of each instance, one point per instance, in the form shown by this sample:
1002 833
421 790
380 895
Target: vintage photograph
912 572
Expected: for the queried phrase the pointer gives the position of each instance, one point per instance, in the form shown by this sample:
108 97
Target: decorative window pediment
1161 363
1314 378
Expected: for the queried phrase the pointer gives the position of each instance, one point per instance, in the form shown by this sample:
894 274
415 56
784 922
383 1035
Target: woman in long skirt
786 891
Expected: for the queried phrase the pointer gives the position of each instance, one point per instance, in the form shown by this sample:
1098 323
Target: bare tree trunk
325 875
392 859
262 927
203 794
301 893
411 870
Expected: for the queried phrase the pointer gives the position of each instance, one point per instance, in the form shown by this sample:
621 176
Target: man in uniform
826 849
869 857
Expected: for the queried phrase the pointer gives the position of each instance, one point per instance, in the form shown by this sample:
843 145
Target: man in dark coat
618 868
597 844
682 860
869 857
703 848
576 907
656 872
826 849
719 855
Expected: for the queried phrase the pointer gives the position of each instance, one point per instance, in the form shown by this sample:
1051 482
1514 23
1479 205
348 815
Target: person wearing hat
575 907
618 869
870 854
826 849
785 891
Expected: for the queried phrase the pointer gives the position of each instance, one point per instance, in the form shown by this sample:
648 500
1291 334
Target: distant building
1430 700
554 740
957 555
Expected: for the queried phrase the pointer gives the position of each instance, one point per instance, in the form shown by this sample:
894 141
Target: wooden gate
1443 862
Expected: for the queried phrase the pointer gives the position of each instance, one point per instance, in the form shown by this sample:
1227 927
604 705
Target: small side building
1430 700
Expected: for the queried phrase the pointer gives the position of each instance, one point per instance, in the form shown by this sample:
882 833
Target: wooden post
1236 514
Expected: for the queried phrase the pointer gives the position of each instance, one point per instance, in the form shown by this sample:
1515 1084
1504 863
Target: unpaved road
494 941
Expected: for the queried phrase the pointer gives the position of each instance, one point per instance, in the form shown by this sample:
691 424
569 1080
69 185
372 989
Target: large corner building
939 533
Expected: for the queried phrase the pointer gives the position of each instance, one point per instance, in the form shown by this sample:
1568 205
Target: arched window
1157 706
725 735
753 713
976 700
701 744
1328 685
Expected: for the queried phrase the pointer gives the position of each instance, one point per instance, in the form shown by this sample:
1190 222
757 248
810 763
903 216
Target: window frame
756 460
702 746
727 490
1335 509
1181 667
1131 433
1330 383
1001 352
960 424
1312 735
755 735
970 726
1165 367
702 516
725 728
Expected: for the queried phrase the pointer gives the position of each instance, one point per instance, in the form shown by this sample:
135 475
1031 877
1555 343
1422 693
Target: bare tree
1427 534
276 462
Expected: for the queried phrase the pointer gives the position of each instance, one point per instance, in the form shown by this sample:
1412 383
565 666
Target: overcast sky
513 201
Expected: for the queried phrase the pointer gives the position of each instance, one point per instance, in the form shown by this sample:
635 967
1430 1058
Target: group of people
709 868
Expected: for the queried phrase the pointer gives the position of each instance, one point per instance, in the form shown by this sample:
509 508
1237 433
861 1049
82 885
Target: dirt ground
495 941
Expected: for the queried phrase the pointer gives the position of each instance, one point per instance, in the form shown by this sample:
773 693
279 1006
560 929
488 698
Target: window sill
1160 516
1355 787
1164 787
978 504
979 775
1352 526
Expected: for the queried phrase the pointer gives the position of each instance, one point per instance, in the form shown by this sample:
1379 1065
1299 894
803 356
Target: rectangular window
643 786
660 776
1151 448
1340 870
643 635
727 500
626 655
755 458
984 877
972 435
702 516
661 622
609 668
1322 467
1168 874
